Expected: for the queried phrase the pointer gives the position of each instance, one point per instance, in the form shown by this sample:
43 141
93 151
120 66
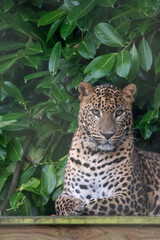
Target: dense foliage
46 49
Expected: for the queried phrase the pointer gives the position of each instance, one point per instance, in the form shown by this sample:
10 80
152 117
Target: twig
12 187
28 158
16 174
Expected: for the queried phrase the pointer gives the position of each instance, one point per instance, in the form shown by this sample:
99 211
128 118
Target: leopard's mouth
106 147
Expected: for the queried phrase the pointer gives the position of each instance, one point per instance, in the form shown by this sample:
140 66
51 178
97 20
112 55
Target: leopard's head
106 114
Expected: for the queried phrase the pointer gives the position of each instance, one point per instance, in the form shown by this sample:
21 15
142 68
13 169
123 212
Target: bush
49 47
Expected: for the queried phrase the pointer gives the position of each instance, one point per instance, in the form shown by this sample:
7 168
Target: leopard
106 174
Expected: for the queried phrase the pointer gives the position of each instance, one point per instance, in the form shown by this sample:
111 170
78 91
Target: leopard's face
106 114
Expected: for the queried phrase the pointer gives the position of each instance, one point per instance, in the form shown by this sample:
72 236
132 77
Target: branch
16 174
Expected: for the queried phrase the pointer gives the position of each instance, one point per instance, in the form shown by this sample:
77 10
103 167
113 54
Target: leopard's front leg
115 206
66 205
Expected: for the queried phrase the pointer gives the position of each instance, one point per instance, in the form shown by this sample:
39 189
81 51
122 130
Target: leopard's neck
84 149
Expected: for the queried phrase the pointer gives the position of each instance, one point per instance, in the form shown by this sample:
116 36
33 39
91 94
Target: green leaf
16 200
19 25
135 63
144 4
27 14
11 167
51 17
20 53
133 35
73 126
67 28
107 3
145 55
26 207
3 124
45 83
26 175
157 97
4 139
81 10
7 4
3 153
38 3
3 26
36 154
3 94
157 64
62 162
135 12
77 79
84 23
70 4
42 107
3 178
145 122
8 45
123 63
61 113
7 56
48 179
12 90
101 66
84 50
59 92
70 53
31 61
54 58
15 150
56 193
142 27
35 75
53 29
108 35
12 116
60 177
123 25
33 48
16 125
31 185
10 119
87 47
39 200
157 8
7 65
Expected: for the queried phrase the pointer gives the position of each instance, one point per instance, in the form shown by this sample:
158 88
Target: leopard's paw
69 206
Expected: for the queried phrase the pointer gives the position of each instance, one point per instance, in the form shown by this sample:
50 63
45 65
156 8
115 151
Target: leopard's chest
94 179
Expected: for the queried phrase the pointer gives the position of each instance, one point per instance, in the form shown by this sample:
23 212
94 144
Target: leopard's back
150 165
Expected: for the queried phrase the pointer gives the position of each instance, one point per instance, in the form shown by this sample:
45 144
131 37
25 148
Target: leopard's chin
107 147
103 146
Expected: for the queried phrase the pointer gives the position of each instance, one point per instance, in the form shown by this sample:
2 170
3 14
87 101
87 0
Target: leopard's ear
128 93
85 91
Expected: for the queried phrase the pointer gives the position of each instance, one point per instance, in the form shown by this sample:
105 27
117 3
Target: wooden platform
80 228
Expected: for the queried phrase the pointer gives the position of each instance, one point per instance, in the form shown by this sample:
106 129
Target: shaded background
46 49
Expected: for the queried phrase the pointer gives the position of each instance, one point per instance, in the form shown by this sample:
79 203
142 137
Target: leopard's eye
119 113
96 112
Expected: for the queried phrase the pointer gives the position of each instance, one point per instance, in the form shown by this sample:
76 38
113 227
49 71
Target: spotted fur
105 173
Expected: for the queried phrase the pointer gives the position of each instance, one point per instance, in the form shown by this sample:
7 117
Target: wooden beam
79 232
82 220
79 228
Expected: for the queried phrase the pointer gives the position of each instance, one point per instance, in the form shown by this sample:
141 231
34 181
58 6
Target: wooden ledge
84 227
82 220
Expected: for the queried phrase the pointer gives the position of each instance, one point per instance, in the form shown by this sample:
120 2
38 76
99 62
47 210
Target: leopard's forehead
107 89
106 97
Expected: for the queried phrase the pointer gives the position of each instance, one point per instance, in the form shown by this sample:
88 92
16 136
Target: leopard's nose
107 135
